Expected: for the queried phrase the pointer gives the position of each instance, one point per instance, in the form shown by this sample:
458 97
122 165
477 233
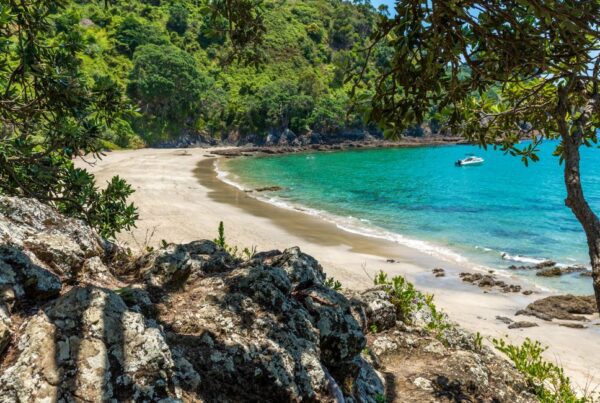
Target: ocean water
492 216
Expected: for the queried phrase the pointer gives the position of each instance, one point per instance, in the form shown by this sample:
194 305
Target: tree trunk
576 202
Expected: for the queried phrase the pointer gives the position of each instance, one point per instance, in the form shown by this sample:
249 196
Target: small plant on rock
248 253
220 240
379 398
333 284
403 294
547 379
478 341
438 321
408 300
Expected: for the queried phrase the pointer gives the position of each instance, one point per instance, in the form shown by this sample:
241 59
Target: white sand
175 206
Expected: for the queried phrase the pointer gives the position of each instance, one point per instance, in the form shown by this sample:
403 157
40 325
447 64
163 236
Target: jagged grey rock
379 309
174 264
87 345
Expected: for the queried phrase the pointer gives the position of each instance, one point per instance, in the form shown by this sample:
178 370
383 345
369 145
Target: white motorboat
469 161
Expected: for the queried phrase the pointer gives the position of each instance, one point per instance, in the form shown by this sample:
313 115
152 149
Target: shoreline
404 142
181 199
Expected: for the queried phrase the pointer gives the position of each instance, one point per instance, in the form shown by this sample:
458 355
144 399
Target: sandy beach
180 199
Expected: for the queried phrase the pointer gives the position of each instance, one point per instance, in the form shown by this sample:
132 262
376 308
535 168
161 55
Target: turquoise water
417 196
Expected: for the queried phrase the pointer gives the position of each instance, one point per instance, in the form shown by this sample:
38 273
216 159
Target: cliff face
81 319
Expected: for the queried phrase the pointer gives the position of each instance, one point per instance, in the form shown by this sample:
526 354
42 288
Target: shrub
408 300
548 380
403 294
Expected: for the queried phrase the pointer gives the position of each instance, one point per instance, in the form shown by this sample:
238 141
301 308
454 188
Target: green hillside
182 75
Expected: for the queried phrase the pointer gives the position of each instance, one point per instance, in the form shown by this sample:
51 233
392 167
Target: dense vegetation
182 75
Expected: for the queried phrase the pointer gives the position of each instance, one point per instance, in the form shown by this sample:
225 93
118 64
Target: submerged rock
438 272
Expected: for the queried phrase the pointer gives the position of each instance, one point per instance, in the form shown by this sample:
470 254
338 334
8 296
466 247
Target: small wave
224 176
522 259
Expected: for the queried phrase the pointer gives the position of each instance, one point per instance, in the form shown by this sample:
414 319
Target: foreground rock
447 364
565 307
82 321
87 345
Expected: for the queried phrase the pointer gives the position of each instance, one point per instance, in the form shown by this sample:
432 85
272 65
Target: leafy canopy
492 70
166 82
242 48
50 112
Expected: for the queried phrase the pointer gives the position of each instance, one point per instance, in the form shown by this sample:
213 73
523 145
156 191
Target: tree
50 113
132 33
245 27
498 72
178 19
166 82
280 105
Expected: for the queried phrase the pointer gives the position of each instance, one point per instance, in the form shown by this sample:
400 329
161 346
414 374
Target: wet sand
181 199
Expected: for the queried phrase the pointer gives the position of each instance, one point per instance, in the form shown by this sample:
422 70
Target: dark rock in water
559 271
538 266
471 277
550 272
566 307
488 281
390 261
522 325
438 272
527 292
586 274
512 288
269 189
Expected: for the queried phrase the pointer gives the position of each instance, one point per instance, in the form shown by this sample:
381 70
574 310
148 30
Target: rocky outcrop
192 323
268 330
565 307
421 368
87 345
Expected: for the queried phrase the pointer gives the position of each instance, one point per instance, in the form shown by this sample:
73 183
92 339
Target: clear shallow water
417 196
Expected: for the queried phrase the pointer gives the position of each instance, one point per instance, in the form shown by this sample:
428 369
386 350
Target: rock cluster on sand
81 320
563 307
489 281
